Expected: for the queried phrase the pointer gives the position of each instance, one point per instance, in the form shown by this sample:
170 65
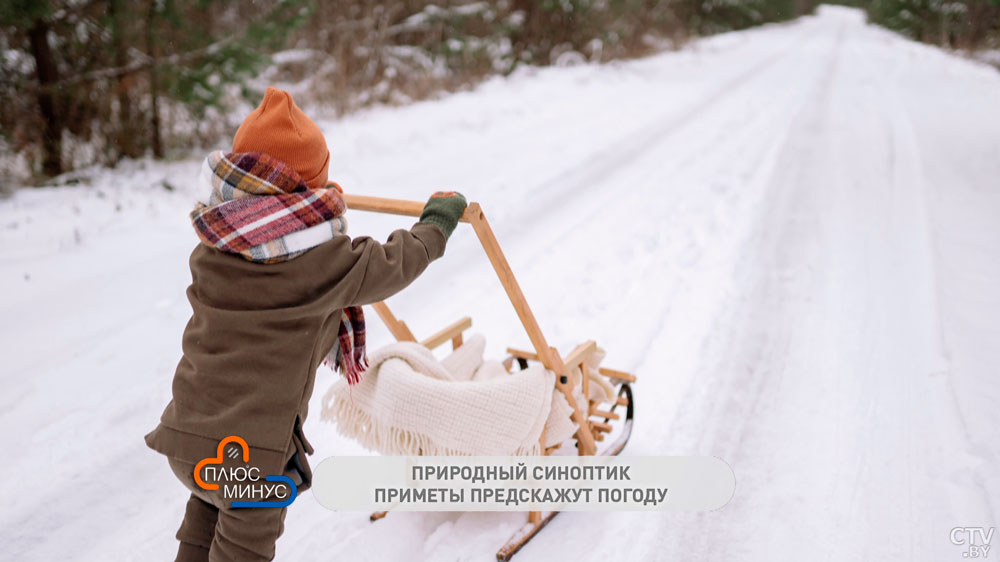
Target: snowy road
789 234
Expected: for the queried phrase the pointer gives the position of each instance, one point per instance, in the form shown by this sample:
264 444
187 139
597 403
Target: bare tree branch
142 62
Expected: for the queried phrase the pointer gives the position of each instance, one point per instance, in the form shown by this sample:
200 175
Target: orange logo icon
218 460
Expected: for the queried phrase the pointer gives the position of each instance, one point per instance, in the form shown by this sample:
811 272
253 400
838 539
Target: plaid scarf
261 209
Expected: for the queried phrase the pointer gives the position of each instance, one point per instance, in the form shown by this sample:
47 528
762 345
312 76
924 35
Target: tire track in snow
722 409
607 163
908 171
821 402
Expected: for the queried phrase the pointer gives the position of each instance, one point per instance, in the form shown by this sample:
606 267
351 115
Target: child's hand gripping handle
397 206
441 209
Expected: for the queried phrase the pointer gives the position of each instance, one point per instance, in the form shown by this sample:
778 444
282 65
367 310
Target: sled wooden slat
621 401
611 373
449 333
522 354
579 354
397 327
604 414
575 357
601 426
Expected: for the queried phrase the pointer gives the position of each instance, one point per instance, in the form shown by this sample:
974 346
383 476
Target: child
276 289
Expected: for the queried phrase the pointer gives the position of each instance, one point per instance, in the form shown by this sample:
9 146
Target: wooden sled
596 421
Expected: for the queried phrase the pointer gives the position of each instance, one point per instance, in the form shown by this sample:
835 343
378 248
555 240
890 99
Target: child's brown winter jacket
259 332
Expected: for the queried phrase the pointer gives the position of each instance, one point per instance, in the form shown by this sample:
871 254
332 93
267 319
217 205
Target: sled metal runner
596 421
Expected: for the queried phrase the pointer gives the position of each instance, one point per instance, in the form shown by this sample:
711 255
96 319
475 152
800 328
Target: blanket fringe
355 423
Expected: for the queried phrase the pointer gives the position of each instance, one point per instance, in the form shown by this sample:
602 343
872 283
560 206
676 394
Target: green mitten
443 210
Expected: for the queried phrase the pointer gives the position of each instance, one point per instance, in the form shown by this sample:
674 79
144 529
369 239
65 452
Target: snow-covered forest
787 232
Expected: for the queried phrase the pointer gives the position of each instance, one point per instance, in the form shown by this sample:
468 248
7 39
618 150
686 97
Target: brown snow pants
213 531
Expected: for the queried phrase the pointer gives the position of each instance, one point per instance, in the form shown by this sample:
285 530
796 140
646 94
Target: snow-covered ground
789 234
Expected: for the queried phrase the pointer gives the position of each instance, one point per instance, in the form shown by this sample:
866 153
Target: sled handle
548 356
397 206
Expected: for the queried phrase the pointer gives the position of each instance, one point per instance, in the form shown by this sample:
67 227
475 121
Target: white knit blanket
409 403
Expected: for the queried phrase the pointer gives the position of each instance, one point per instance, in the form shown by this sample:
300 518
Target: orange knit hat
280 129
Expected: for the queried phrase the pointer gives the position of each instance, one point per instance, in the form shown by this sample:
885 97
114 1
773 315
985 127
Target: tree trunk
154 87
45 70
126 138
